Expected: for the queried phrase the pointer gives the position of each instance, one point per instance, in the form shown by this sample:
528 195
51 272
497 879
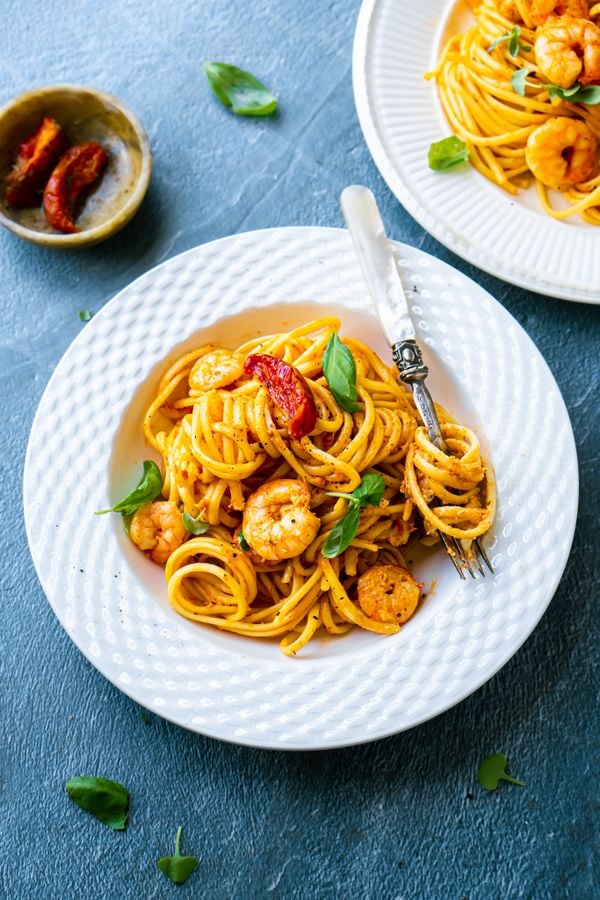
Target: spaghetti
271 502
484 105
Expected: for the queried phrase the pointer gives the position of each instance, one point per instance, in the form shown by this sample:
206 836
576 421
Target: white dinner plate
400 115
86 449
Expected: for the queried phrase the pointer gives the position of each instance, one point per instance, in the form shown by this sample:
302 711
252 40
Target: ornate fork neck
413 371
409 361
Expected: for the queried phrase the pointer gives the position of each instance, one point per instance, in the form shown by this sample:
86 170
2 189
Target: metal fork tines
462 560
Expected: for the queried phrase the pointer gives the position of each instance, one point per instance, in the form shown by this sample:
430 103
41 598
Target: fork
413 372
374 253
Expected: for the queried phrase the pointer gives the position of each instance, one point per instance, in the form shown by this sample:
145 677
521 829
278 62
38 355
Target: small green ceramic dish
86 114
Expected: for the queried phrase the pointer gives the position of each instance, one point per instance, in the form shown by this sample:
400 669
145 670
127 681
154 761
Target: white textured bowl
112 601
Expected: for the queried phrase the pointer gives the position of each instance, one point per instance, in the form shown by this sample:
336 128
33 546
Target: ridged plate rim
389 91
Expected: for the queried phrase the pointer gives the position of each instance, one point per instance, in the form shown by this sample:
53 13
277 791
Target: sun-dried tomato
35 160
77 170
288 390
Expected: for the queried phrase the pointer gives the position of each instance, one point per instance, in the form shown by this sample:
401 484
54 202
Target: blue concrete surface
403 818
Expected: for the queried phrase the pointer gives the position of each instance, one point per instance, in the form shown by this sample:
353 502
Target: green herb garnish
339 370
492 771
368 493
85 315
243 542
239 90
177 867
107 800
519 81
577 93
194 526
514 42
148 489
447 153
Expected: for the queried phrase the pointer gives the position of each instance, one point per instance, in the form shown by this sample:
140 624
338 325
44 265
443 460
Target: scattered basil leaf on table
492 771
239 90
85 315
194 526
514 42
148 489
577 93
107 800
368 493
339 370
243 542
177 867
447 153
519 81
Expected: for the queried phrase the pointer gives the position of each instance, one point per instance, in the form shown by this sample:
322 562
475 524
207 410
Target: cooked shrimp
562 151
541 10
216 369
277 521
388 594
254 557
158 529
568 49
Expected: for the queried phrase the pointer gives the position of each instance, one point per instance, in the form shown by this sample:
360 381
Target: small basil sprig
447 153
107 800
519 81
339 370
194 526
243 542
177 867
85 315
492 771
239 90
577 93
368 493
148 489
514 42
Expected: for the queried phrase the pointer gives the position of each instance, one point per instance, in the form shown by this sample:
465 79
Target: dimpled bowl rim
362 687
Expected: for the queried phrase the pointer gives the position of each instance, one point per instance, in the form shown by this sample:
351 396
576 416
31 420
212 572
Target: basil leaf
342 534
194 526
148 489
85 315
239 90
177 867
339 370
589 95
500 40
577 93
518 81
514 42
243 542
492 771
107 800
370 491
555 90
447 153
